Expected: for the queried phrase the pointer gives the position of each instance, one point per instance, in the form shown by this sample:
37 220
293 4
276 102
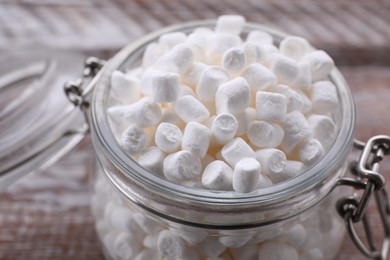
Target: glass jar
142 216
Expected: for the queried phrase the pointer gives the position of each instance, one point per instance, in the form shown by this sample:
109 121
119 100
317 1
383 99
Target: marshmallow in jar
225 139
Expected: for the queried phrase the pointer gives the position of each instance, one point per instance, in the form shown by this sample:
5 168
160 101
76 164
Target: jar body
127 231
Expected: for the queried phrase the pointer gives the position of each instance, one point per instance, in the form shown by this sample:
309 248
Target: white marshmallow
265 134
285 69
224 128
192 236
179 59
274 250
146 81
295 100
260 37
166 87
211 247
217 176
295 235
133 140
117 217
209 82
186 90
253 52
271 160
145 223
271 106
264 182
219 43
294 47
169 116
152 159
198 41
148 254
193 75
190 109
126 246
323 128
236 150
233 60
291 170
259 77
246 175
233 96
124 88
296 130
170 40
168 137
234 240
320 63
244 119
324 97
196 138
170 245
311 151
182 165
245 252
143 113
303 81
150 240
152 53
231 24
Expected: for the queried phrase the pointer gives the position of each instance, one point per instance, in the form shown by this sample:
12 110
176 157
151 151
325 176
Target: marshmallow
217 176
311 151
265 134
166 87
259 37
274 250
246 175
303 81
133 140
271 106
209 82
143 113
233 60
295 235
245 252
145 223
219 43
124 88
198 41
146 81
294 47
147 254
259 77
234 240
244 119
170 245
168 137
231 24
182 165
271 160
150 240
152 52
323 128
126 246
118 218
295 100
211 247
233 96
320 63
324 97
224 128
186 90
296 130
170 40
180 57
291 170
236 150
264 182
192 236
190 109
196 138
169 116
253 52
193 75
285 69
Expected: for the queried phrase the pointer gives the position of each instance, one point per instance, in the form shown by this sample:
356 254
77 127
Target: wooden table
47 216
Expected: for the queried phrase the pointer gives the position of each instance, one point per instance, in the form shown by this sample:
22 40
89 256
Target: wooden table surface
47 216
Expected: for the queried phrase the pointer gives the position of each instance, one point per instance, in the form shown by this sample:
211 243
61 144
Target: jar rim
278 192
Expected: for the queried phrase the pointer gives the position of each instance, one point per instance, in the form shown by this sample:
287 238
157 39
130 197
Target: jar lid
37 122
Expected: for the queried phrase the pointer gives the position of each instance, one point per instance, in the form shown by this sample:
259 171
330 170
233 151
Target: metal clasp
372 183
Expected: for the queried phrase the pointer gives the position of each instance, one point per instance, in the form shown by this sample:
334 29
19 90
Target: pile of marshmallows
213 111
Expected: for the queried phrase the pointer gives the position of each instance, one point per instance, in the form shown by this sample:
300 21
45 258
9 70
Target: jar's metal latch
372 183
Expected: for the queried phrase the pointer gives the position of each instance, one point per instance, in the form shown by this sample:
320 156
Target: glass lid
37 122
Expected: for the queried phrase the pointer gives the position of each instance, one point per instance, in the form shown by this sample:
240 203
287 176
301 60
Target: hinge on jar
74 89
372 183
